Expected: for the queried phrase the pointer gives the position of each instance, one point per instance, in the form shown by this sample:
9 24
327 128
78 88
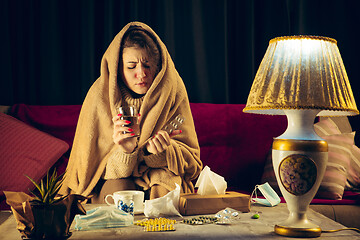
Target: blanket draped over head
165 99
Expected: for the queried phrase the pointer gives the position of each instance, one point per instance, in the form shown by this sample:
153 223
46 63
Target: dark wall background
51 50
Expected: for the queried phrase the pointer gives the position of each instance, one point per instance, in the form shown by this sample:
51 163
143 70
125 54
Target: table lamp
301 77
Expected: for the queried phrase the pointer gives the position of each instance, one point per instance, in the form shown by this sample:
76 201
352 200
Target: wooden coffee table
244 228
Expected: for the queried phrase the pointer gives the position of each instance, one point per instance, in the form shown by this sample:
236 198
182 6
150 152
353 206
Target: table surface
243 228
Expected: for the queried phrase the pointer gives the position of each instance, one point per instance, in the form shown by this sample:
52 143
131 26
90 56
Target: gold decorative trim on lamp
301 77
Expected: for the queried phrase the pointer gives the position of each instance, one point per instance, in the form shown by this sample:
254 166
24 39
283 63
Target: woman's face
138 69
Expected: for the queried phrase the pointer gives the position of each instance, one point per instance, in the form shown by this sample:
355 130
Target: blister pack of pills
174 124
157 224
227 216
201 220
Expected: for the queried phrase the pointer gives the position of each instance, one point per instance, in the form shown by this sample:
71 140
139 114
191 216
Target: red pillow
25 150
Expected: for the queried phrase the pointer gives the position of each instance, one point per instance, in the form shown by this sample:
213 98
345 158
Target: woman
136 70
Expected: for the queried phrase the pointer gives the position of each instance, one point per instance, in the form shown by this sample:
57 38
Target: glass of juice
130 113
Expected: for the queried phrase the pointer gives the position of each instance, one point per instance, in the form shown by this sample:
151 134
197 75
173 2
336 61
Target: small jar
126 204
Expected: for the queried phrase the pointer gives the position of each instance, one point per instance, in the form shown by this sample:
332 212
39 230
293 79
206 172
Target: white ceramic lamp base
299 161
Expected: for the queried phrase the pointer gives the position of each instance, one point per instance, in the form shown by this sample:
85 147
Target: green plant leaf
42 192
47 180
48 190
36 185
53 176
37 197
56 189
46 197
59 199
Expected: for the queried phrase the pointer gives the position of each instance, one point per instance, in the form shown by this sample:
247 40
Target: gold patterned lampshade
302 72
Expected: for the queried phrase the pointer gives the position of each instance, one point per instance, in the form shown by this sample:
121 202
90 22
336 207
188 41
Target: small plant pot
51 221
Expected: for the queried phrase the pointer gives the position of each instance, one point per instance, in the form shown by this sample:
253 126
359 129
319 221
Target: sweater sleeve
120 164
155 160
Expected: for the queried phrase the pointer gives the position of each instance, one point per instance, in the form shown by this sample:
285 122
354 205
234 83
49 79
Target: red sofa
233 144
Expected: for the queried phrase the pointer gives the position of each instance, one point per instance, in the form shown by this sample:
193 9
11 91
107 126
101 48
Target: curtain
51 50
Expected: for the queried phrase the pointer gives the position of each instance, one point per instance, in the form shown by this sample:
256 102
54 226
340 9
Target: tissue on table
103 217
196 204
166 205
210 183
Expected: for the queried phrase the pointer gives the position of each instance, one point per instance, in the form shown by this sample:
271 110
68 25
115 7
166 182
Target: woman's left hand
160 141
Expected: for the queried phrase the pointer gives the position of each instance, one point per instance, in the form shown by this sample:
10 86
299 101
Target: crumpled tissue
103 217
166 205
210 183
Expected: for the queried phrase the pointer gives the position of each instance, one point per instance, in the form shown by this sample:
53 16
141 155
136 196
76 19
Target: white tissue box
196 204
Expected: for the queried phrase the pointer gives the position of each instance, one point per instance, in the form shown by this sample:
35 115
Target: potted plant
45 215
52 214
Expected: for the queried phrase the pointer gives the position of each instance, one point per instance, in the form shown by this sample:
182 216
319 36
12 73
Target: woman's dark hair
138 37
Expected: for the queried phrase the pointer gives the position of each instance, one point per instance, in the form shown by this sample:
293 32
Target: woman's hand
160 141
123 135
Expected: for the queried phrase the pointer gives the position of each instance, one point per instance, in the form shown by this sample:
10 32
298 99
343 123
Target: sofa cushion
25 150
233 143
333 183
269 174
353 176
59 121
340 145
335 177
